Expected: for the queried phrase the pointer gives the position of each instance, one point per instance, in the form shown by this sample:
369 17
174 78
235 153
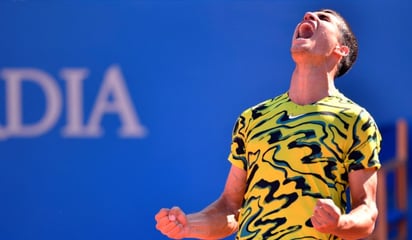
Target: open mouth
305 31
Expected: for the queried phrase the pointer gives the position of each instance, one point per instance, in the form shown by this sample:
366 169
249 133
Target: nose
309 16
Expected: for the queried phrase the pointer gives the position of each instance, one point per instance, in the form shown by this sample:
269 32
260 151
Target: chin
299 49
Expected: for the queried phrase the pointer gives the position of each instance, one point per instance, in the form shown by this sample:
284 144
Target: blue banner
111 110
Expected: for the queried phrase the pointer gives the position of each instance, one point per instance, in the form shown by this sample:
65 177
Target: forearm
358 223
218 220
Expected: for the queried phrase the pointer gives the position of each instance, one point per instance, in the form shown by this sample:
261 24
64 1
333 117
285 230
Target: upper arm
235 188
363 184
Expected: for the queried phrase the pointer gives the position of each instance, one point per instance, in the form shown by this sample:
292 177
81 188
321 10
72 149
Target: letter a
120 103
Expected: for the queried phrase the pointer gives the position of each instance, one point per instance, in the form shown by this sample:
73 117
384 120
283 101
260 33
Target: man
295 156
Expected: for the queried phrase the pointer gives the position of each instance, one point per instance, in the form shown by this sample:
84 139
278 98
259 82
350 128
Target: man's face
317 34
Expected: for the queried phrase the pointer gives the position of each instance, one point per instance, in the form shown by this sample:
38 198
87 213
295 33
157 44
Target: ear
342 50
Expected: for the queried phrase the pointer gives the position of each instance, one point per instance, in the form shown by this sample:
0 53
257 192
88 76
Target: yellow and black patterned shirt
296 154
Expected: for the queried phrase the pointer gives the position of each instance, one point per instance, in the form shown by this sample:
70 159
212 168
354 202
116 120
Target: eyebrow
328 11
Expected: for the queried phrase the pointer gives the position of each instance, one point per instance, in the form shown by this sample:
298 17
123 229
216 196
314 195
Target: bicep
234 188
363 184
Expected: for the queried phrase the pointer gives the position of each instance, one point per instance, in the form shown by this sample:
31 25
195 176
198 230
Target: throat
307 87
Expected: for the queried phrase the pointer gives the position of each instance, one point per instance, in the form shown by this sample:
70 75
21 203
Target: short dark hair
348 39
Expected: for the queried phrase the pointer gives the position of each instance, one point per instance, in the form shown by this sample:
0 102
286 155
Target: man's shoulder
352 109
346 103
266 105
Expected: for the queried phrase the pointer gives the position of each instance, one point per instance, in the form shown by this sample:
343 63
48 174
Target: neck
309 85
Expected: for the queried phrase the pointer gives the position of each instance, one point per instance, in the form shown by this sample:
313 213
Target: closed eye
323 17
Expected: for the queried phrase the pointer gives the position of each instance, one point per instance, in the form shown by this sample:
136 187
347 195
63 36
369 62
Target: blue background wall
188 68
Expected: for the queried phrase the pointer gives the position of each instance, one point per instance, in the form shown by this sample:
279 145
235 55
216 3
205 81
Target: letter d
14 79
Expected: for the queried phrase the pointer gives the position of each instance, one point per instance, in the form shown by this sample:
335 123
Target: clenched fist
172 223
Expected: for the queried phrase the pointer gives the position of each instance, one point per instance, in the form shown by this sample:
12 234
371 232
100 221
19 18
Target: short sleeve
237 154
366 144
